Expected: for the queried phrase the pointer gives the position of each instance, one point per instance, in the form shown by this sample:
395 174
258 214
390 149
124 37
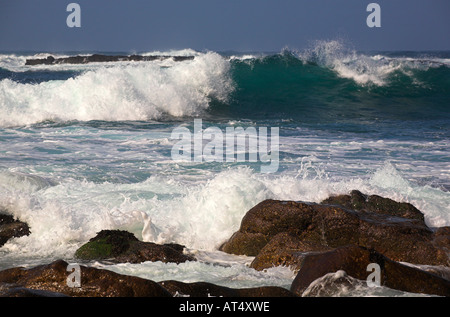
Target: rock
107 244
99 58
442 238
11 228
17 291
51 279
280 250
202 289
354 260
440 270
359 202
261 223
122 246
396 230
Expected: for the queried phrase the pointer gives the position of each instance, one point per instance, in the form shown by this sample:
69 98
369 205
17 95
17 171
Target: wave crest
141 91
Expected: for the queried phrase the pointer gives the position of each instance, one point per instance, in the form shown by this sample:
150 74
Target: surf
121 92
328 82
331 83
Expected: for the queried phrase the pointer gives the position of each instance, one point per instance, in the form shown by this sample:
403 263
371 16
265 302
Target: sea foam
130 91
365 69
198 213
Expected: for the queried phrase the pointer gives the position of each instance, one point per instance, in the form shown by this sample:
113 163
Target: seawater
88 147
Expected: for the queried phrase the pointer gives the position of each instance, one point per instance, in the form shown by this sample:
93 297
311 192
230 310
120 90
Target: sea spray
140 91
200 216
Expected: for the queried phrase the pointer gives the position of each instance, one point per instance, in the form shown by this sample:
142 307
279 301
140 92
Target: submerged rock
122 246
11 228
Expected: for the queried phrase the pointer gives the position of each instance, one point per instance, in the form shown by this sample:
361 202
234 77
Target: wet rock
8 290
394 229
122 246
281 250
354 260
376 204
264 221
442 238
51 279
202 289
11 228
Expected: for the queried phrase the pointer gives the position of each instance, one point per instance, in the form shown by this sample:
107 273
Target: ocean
87 147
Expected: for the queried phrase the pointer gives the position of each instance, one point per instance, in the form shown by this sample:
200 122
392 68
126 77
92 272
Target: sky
222 25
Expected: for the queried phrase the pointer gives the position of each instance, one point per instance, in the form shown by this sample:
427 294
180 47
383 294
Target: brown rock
281 250
354 261
146 251
442 238
11 290
51 281
359 202
264 221
202 289
245 243
322 226
94 282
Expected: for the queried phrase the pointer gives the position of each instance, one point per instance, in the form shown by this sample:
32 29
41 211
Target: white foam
196 212
348 64
16 62
236 273
209 213
433 202
173 52
24 182
364 69
339 284
127 91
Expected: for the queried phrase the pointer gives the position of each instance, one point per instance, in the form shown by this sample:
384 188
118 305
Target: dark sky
238 25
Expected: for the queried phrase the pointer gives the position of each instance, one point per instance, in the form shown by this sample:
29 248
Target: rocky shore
100 58
343 234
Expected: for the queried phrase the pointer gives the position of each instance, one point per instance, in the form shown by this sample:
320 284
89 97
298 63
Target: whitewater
85 148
